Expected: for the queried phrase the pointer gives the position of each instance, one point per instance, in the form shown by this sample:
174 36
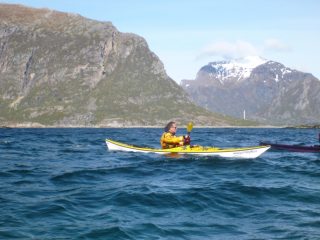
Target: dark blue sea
66 184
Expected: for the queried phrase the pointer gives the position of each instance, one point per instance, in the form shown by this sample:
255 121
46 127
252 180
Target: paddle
189 128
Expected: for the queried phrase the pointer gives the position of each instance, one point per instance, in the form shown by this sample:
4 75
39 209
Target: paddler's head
171 127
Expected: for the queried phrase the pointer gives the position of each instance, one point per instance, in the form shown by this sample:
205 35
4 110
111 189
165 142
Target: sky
188 34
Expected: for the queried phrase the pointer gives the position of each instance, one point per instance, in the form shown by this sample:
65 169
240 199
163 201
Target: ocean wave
66 184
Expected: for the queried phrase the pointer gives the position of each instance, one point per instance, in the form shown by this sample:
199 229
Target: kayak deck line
251 152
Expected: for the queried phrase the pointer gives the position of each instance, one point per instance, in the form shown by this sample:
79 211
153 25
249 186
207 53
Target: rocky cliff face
253 84
299 103
61 69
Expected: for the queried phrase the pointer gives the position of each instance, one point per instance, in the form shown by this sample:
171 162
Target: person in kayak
169 138
319 137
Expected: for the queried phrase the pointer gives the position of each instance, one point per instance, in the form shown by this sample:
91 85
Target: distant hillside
268 91
297 104
61 69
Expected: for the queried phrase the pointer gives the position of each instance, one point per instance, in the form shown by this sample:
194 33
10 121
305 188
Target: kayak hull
252 152
294 148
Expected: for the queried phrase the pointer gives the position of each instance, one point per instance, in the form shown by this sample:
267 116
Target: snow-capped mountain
230 87
238 68
224 74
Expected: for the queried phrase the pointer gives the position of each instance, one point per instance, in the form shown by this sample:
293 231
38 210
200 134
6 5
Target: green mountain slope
61 69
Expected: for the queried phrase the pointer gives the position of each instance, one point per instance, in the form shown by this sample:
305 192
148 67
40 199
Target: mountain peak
250 61
246 62
234 70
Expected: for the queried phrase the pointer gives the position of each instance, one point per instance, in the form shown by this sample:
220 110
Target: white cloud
276 45
229 50
241 49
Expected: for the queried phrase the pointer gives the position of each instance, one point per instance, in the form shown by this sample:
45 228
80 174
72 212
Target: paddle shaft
189 128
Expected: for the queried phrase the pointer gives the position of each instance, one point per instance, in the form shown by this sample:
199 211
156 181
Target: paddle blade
189 127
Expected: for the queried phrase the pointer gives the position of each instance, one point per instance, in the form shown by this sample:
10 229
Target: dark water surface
65 184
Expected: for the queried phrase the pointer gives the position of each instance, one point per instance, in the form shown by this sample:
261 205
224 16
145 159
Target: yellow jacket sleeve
169 141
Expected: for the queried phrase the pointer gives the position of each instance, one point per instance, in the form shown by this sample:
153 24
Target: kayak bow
295 148
251 152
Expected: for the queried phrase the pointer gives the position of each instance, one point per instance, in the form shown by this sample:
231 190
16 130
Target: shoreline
13 126
6 125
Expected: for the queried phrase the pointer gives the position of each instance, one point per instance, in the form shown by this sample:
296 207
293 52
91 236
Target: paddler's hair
169 125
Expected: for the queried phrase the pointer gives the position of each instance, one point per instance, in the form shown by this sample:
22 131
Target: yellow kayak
251 152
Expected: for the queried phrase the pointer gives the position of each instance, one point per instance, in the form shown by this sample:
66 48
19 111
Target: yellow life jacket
168 140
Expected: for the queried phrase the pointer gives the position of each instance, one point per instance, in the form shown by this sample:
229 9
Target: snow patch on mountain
238 68
284 70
